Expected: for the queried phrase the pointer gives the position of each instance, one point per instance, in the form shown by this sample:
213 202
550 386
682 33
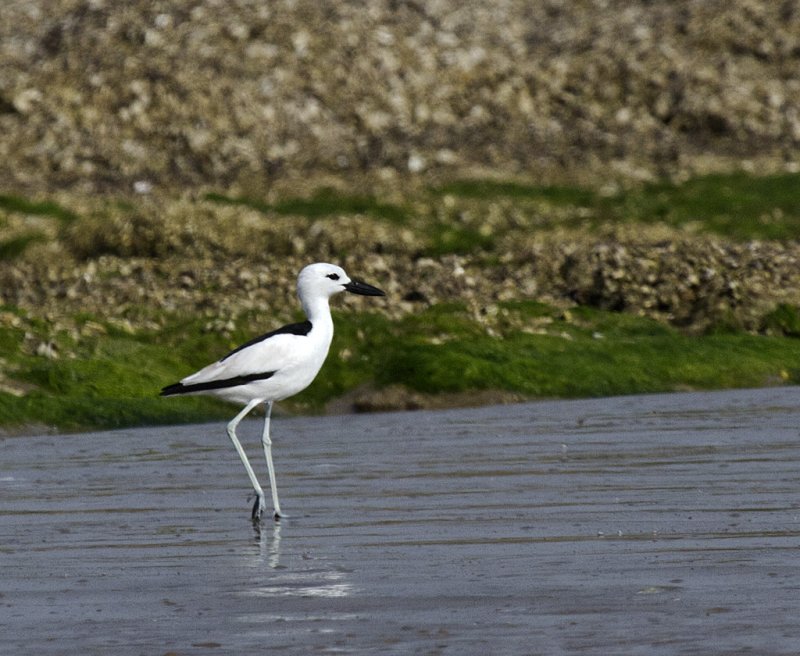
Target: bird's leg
267 444
259 506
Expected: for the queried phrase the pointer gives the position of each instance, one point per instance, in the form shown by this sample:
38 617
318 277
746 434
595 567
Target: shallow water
662 524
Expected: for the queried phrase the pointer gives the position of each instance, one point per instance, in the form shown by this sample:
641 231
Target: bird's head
323 280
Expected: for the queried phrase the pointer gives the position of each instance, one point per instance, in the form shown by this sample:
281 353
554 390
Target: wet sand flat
652 525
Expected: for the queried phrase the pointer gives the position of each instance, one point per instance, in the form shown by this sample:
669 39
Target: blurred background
108 97
562 198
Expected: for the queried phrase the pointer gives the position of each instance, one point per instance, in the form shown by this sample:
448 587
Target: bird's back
274 366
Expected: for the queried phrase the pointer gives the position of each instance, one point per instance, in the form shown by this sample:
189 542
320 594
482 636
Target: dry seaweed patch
139 261
696 283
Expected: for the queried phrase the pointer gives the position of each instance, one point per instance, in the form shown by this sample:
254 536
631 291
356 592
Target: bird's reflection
269 542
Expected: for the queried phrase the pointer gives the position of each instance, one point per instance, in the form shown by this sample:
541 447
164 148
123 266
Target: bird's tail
175 388
211 385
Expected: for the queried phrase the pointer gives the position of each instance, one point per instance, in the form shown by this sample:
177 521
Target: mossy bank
497 291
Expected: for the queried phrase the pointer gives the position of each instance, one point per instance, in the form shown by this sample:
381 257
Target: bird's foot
259 507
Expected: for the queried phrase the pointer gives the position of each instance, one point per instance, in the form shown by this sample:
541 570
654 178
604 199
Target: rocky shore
235 263
98 96
127 114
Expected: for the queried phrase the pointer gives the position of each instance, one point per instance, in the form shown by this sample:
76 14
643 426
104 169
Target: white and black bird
277 365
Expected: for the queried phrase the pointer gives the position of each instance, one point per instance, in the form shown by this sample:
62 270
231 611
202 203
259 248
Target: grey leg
260 505
267 444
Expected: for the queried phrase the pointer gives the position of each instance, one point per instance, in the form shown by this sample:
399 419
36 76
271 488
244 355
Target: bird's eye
333 276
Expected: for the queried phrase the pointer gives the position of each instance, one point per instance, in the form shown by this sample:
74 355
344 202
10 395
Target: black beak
358 287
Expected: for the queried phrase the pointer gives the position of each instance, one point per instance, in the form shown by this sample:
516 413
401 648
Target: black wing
302 328
180 388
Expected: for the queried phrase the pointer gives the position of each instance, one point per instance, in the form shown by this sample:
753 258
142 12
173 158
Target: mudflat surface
638 525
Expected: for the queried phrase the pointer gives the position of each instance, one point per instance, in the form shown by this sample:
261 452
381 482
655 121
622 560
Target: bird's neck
318 311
